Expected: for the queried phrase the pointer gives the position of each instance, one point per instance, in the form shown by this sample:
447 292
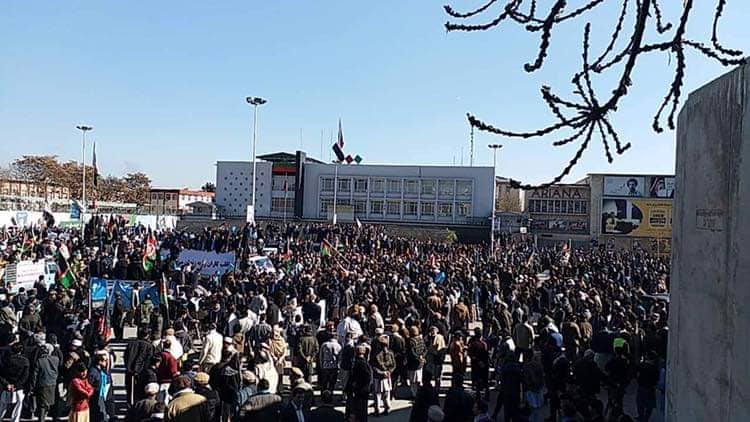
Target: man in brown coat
186 406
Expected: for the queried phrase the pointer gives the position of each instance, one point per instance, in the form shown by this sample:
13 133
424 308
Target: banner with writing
207 262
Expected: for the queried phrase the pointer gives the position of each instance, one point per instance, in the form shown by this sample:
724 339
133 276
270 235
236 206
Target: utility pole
255 102
494 148
83 129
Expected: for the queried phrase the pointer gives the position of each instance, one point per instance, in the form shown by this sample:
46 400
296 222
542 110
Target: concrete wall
234 184
709 342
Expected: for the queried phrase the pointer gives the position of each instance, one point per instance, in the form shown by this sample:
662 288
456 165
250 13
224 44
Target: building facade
29 189
175 201
276 185
632 210
560 212
234 188
507 198
410 194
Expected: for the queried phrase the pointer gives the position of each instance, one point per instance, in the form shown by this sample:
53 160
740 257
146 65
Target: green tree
137 187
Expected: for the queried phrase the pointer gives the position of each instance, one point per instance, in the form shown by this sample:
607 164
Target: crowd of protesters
351 318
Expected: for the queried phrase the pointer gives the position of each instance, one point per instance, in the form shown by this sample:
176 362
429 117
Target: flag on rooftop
349 159
357 159
339 152
340 141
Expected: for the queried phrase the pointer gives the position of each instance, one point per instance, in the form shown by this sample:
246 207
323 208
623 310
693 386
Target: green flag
65 275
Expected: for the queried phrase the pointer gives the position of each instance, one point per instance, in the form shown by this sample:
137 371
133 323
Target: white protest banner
207 262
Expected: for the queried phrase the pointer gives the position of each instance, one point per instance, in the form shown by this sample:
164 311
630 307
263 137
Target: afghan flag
65 275
325 248
149 255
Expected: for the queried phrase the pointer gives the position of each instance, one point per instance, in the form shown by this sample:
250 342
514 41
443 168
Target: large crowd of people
350 318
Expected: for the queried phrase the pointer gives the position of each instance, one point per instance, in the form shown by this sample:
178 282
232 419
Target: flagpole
83 129
335 188
286 189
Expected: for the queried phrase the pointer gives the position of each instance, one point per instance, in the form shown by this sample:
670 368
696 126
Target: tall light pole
83 129
255 102
494 148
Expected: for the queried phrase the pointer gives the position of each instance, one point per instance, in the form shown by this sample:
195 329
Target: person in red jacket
167 372
80 391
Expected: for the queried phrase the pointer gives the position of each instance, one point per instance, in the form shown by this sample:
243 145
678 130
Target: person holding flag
149 253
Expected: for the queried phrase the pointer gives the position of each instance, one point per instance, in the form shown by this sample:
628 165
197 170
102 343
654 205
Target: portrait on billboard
620 216
661 187
624 186
637 217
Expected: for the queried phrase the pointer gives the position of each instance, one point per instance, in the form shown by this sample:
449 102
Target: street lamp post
83 129
494 148
255 102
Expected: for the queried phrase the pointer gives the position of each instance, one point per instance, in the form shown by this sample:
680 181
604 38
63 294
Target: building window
376 207
343 201
377 186
446 188
463 209
557 206
410 208
577 207
544 206
445 209
583 207
411 187
324 205
326 184
394 186
463 189
428 208
360 185
360 206
394 207
281 205
345 185
428 188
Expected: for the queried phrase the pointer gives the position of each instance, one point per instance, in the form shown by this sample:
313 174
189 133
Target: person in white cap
143 408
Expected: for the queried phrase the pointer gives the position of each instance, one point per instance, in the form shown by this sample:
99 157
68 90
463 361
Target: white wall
234 183
28 218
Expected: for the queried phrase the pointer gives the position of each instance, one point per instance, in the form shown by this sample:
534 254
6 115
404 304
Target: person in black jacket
358 386
138 356
147 376
263 406
44 380
14 372
296 411
326 411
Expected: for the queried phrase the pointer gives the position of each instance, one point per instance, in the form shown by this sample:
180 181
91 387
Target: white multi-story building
399 193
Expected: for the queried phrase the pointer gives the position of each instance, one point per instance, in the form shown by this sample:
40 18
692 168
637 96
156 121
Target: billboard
661 187
637 217
633 186
639 186
560 225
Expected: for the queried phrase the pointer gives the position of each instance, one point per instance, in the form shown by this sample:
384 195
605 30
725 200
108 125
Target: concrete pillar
708 371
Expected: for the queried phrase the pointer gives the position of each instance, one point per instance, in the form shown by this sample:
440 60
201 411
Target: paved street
400 410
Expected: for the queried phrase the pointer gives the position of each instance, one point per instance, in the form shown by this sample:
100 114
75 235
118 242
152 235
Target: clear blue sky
164 83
